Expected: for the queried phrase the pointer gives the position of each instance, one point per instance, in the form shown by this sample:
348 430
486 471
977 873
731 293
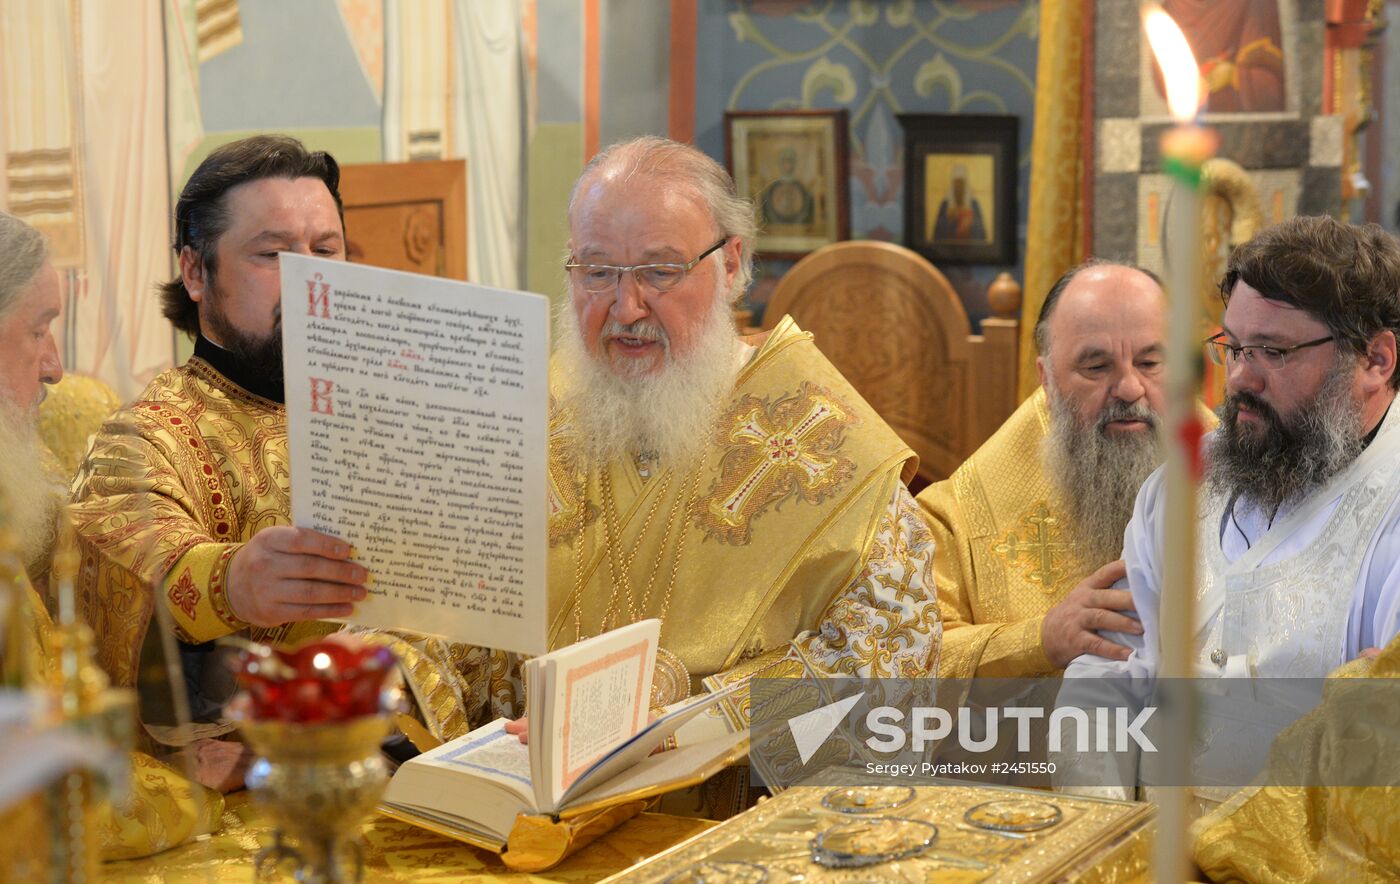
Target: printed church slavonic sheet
417 415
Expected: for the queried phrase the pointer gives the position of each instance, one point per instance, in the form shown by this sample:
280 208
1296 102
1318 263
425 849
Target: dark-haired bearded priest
183 500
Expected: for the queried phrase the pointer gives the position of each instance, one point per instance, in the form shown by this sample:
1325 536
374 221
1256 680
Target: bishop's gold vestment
160 808
175 483
1006 554
792 543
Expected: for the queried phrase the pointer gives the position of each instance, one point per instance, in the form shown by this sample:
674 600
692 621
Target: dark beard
1099 472
1287 458
261 356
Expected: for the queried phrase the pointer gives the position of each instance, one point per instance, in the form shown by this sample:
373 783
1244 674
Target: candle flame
1179 69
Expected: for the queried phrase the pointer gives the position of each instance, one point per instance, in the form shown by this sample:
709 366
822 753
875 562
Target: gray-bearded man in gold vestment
1022 525
738 489
160 808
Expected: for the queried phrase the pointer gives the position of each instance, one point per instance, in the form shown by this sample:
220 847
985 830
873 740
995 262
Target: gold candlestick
84 701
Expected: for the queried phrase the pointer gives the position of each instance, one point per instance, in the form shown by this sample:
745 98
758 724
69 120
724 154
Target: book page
490 752
479 781
644 742
598 695
417 416
665 770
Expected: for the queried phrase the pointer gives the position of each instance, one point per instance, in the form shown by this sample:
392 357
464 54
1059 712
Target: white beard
670 413
29 498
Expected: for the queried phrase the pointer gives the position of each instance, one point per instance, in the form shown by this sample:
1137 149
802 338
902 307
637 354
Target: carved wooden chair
897 330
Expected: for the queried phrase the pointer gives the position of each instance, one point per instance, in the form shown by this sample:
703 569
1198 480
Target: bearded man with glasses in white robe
1298 559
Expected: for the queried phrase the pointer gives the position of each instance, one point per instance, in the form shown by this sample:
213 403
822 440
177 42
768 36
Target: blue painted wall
875 58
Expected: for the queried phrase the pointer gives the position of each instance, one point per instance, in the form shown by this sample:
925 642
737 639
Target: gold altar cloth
1093 840
396 851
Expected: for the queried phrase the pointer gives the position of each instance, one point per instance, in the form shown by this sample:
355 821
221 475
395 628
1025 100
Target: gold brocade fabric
162 809
1315 833
795 525
396 851
1054 228
1006 551
159 809
25 841
71 412
174 484
777 521
1005 555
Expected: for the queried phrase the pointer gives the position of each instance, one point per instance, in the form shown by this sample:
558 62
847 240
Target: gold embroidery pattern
772 452
194 461
218 598
565 481
886 624
1041 549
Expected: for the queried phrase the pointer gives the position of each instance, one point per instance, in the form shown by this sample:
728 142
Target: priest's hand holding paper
1069 628
286 574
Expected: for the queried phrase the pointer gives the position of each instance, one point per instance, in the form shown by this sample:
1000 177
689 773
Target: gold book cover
952 831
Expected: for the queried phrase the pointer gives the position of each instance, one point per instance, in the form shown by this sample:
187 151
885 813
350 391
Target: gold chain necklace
619 568
620 571
675 561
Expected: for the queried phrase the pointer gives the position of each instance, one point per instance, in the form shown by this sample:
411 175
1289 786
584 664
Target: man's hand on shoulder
285 574
1071 627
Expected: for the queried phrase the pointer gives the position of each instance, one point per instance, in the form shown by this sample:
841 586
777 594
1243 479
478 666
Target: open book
590 744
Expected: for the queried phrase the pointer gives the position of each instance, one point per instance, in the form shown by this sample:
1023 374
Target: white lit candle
1185 148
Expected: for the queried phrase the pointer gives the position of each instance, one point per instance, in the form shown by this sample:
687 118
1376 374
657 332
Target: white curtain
417 80
86 162
37 80
455 87
185 119
490 128
125 167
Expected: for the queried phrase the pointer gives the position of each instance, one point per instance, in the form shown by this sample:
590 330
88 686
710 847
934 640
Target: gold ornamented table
396 851
984 833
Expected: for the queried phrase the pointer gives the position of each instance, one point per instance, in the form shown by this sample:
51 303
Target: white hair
683 165
22 255
29 496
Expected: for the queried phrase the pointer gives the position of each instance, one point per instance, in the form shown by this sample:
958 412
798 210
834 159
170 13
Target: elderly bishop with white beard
739 490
